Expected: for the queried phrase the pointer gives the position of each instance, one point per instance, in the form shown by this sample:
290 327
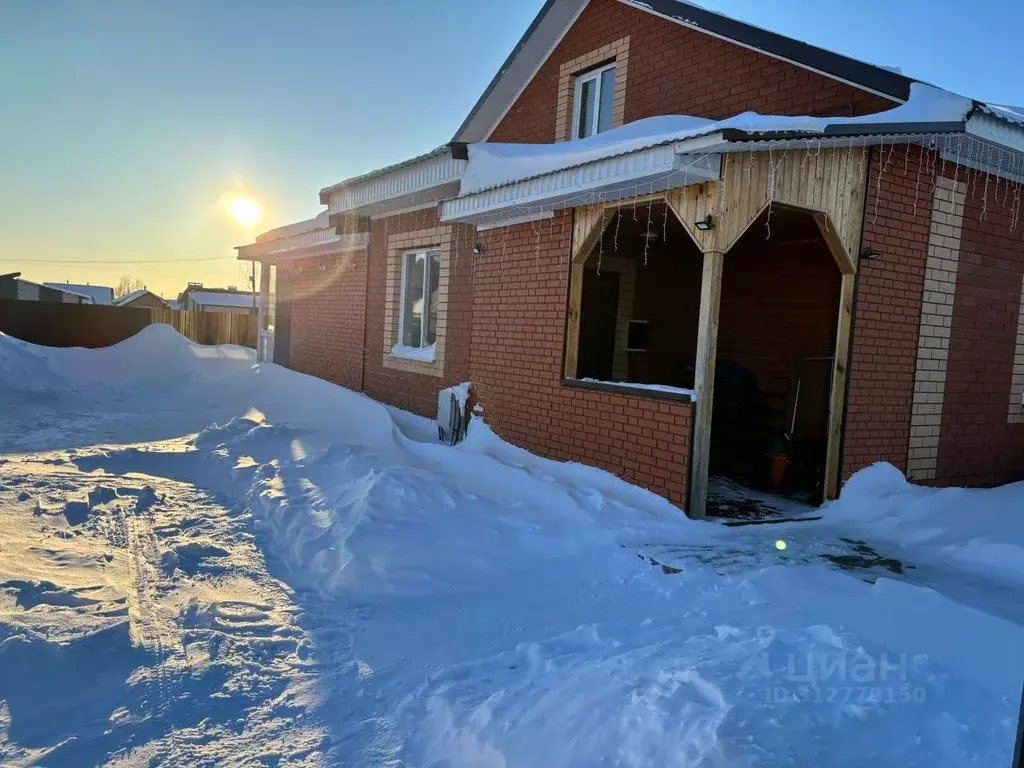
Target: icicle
664 222
1015 175
878 189
647 242
618 222
1006 192
803 166
956 164
504 245
984 197
536 240
883 167
972 179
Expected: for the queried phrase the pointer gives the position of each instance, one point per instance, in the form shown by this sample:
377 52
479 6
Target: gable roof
128 298
557 16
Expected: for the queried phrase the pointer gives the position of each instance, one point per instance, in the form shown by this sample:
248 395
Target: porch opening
775 355
640 301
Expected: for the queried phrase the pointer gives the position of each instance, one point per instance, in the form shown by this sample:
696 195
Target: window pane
433 271
585 126
412 286
604 120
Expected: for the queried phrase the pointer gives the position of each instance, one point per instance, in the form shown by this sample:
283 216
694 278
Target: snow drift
975 529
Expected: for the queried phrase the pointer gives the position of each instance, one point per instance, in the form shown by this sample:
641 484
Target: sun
246 211
243 208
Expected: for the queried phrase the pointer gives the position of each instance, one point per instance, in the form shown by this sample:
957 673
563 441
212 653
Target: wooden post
704 380
835 411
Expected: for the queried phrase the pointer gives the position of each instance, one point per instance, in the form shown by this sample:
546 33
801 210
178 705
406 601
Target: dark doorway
597 325
283 319
776 346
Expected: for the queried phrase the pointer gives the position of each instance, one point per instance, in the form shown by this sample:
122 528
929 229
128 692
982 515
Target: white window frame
426 298
593 74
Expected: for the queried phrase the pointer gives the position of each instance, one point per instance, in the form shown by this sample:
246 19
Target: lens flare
780 545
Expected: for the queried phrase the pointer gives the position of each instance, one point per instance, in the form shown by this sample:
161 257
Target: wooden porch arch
829 184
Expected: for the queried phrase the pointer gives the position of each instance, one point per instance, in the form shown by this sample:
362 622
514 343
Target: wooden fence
54 324
210 327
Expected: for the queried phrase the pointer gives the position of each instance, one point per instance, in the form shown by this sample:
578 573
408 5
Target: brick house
820 266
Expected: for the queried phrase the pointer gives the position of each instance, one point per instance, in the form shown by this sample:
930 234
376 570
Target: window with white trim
417 322
592 105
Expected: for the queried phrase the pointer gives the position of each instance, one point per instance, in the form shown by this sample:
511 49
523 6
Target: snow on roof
62 287
221 298
100 294
130 297
321 221
496 165
381 171
1013 114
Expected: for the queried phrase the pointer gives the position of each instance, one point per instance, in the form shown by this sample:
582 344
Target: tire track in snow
144 628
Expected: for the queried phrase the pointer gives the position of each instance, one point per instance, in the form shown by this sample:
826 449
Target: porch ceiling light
705 224
867 254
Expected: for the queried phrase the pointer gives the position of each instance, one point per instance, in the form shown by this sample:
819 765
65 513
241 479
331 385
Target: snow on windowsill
628 386
419 354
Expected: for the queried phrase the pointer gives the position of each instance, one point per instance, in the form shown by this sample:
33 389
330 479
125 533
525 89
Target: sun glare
245 210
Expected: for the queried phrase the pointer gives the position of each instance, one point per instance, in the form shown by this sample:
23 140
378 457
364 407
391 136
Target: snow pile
973 529
157 358
25 369
495 165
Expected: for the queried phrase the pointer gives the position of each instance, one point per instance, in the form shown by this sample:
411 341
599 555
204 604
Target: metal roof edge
325 193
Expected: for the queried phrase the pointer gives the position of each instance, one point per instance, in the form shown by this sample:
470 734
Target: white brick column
936 321
1016 414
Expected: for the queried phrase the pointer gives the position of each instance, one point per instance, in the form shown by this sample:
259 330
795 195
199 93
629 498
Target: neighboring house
12 286
99 294
227 300
141 299
633 278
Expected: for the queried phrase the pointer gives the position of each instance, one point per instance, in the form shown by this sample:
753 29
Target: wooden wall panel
830 181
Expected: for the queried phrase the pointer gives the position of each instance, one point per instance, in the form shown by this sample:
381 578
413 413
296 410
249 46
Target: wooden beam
588 227
847 262
572 327
704 380
838 395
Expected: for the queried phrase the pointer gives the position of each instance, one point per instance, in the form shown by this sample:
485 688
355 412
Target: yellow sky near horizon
195 248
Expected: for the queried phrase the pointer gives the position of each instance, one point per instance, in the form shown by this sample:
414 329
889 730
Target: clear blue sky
122 122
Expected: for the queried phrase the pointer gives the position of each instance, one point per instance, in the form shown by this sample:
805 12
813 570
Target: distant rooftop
100 294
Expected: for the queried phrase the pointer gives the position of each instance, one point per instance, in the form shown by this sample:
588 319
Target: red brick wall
417 392
674 70
977 446
520 284
328 314
883 356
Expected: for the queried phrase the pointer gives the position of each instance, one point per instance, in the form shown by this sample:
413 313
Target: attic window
593 101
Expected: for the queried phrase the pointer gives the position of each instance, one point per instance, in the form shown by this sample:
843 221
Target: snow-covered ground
207 562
